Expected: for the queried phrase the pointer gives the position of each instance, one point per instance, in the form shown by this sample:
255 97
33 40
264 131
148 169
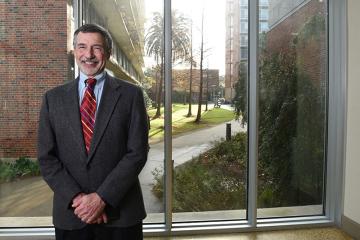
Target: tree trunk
207 89
190 93
190 84
156 85
159 93
198 116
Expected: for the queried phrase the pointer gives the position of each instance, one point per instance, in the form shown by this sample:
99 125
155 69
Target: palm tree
154 45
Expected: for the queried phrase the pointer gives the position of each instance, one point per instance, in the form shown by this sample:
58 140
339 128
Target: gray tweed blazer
117 154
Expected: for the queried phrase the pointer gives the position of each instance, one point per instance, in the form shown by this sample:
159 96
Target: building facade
181 84
286 25
236 45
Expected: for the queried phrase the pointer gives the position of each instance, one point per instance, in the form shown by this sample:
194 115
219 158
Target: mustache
89 60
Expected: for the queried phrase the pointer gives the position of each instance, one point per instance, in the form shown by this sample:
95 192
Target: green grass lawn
182 124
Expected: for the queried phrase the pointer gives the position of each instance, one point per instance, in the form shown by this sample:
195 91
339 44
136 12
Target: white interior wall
352 167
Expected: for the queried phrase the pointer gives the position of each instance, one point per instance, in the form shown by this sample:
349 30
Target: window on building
244 12
243 27
244 2
244 40
264 14
263 26
244 51
263 2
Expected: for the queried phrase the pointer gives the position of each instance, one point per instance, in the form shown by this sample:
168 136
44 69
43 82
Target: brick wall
313 56
33 59
181 79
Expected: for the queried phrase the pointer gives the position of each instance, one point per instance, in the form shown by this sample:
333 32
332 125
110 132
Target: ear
108 54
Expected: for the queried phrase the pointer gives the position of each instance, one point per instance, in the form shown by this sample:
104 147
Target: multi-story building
236 47
232 46
36 55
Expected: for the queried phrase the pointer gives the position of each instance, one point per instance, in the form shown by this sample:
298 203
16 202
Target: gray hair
94 28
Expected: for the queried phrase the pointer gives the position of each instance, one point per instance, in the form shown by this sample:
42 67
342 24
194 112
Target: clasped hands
89 208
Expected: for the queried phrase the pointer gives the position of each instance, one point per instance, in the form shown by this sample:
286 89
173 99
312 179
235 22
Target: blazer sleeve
51 167
126 172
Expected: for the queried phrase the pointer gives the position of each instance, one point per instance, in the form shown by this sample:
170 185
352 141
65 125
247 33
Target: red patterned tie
88 110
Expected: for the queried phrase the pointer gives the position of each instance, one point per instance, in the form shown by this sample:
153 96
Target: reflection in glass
292 109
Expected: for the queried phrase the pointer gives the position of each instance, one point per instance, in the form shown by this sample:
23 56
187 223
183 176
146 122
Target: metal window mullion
337 109
168 116
78 9
253 112
331 135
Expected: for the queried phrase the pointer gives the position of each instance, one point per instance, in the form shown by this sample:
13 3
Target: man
92 145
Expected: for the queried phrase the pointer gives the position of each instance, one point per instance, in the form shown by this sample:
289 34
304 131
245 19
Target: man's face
90 54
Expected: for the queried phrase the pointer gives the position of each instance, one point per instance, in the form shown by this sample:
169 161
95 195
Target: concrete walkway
184 148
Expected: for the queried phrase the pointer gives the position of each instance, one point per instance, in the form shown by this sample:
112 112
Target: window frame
336 100
336 135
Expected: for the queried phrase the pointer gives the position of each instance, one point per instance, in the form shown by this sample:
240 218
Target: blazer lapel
110 96
72 111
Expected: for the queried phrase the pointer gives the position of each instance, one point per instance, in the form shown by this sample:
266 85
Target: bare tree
198 116
207 88
192 62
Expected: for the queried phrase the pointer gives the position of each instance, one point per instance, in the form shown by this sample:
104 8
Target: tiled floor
303 234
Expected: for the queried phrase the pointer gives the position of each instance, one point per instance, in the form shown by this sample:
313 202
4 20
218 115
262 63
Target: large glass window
151 177
210 106
209 144
42 60
34 57
292 110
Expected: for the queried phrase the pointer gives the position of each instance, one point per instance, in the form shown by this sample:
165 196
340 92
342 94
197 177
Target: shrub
22 167
215 180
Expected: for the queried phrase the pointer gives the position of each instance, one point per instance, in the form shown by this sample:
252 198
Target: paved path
184 149
28 197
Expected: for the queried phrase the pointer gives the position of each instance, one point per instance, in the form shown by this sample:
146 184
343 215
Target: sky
214 28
